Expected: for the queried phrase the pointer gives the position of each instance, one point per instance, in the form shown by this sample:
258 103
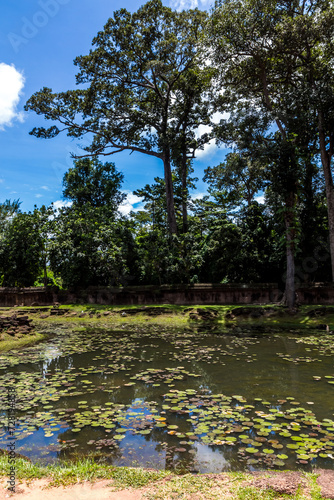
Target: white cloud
45 188
190 4
129 203
11 85
210 148
61 204
198 196
38 195
260 199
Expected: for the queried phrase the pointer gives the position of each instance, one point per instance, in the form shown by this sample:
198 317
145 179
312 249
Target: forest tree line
151 80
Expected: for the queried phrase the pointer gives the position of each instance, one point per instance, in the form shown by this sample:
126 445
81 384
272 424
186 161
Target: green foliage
89 242
88 248
94 183
21 250
8 209
239 248
236 179
168 260
146 86
146 90
49 280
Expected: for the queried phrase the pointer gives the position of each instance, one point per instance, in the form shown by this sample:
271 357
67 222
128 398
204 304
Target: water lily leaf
281 456
285 434
278 463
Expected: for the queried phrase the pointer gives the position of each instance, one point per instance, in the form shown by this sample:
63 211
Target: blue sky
38 41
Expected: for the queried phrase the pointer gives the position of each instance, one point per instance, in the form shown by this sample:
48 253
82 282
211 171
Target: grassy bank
220 318
160 485
81 470
223 316
8 342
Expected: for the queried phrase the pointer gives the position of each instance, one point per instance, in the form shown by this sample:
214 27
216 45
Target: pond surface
178 400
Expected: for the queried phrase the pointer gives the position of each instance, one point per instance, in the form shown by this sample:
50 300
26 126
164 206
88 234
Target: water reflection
148 398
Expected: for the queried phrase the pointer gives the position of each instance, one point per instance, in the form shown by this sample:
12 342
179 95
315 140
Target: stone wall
322 294
181 294
10 297
262 293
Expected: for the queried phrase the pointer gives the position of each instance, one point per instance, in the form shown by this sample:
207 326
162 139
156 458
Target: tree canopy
151 80
146 90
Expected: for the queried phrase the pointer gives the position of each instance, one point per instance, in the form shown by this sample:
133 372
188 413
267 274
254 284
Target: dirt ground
282 483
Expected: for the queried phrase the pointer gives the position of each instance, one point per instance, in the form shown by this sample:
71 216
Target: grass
159 485
178 316
315 489
174 316
81 470
200 487
232 486
9 342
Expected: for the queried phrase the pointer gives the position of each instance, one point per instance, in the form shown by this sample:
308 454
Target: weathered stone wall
184 295
316 295
10 297
181 294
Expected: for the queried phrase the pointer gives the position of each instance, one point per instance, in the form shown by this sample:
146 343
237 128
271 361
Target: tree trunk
309 208
184 193
290 292
330 211
326 157
45 274
171 217
45 277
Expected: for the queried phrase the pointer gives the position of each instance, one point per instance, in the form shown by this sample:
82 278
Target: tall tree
90 242
280 55
192 109
243 173
135 78
256 69
94 183
305 60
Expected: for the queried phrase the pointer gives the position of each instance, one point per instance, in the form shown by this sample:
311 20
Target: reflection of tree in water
171 446
60 363
184 457
106 451
268 377
230 454
264 376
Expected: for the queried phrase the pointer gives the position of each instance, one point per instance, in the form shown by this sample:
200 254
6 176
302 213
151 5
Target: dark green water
174 399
